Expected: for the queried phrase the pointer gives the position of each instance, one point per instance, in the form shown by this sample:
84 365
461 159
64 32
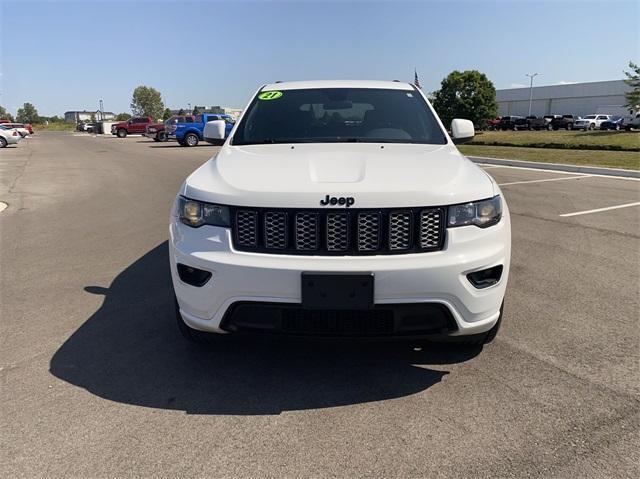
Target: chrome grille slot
307 231
368 231
337 231
275 230
400 230
430 227
247 228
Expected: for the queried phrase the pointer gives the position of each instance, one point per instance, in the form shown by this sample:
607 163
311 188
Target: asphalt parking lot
97 382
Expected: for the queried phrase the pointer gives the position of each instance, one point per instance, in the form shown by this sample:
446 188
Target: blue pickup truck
190 134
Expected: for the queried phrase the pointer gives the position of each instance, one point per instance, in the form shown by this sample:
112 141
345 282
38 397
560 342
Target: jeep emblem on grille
332 200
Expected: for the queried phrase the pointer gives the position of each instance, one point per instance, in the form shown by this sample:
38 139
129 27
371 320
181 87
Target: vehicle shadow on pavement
130 351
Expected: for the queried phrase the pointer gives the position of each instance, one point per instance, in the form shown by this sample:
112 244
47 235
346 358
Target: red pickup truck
131 126
156 131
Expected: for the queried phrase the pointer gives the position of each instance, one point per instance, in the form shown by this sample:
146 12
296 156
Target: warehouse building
570 99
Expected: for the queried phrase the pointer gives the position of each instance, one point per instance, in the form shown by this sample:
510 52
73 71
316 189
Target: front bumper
434 277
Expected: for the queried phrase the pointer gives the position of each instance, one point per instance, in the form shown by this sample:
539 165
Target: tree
633 80
469 94
5 115
181 112
27 114
147 101
196 110
122 116
167 114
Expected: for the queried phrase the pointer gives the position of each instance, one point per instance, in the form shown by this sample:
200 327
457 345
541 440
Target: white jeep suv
340 208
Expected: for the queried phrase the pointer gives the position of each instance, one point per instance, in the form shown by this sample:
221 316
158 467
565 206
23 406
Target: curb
590 170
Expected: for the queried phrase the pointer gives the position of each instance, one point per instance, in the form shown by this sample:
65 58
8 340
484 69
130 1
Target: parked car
131 126
632 121
512 123
539 122
157 131
591 122
565 122
302 226
614 123
492 124
8 135
191 133
20 127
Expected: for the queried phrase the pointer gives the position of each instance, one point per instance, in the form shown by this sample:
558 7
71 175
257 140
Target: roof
300 85
571 90
89 111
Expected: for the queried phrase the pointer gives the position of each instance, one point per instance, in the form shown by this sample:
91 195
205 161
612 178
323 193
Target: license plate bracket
337 290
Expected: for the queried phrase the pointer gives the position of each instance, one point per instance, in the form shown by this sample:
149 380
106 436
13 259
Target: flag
416 82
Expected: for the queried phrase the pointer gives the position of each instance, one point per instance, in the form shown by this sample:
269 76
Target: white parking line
542 181
559 172
601 209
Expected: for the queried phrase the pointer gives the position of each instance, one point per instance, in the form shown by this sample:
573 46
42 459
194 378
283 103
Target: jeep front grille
338 231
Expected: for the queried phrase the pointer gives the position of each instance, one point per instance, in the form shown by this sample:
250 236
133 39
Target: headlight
196 213
479 213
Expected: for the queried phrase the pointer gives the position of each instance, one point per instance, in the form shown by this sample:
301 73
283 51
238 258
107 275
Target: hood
375 175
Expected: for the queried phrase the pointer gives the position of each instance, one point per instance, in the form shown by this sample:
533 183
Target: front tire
191 139
592 126
121 133
162 136
3 142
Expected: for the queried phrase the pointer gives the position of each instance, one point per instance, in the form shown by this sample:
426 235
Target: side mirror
214 132
462 131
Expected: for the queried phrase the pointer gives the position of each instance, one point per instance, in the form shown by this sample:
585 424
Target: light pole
532 76
189 105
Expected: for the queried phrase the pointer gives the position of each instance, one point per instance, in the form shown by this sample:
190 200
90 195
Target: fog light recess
193 276
486 277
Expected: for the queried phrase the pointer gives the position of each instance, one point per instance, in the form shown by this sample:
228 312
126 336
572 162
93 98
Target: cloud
564 82
517 85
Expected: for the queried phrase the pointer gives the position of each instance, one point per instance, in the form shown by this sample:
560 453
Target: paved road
96 382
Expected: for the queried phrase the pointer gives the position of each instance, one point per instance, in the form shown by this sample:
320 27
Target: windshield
330 115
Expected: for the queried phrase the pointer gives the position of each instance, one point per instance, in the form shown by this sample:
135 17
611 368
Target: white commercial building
76 116
570 99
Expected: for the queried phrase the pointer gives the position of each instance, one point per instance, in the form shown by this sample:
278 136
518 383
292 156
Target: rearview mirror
462 131
214 132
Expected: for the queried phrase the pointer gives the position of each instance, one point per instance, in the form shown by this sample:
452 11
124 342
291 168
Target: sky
67 55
